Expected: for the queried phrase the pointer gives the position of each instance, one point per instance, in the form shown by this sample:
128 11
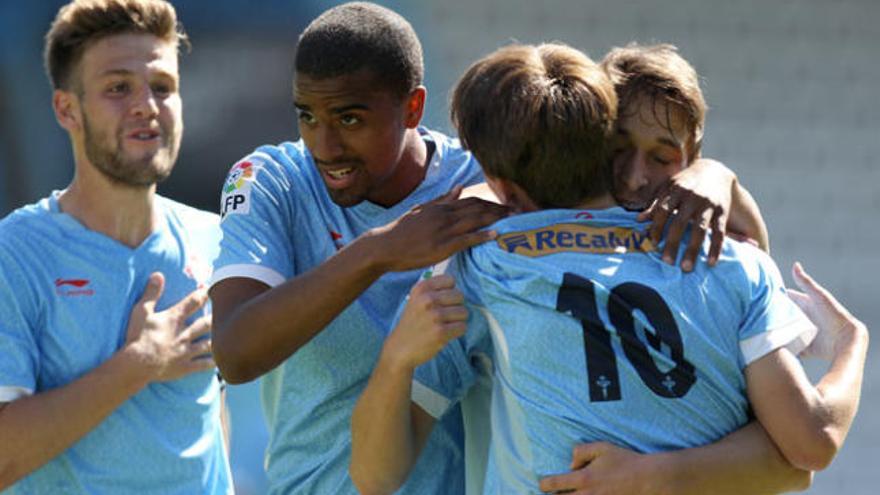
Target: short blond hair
83 22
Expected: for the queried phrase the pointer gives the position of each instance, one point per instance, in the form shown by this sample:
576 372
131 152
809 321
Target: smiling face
356 131
651 143
128 100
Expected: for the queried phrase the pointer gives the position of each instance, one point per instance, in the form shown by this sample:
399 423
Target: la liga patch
236 197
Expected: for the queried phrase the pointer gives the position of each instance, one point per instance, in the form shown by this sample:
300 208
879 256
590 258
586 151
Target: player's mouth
145 135
339 177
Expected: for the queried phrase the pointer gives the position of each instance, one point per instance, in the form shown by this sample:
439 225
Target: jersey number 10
577 295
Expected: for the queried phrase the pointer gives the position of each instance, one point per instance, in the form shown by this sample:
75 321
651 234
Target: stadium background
791 85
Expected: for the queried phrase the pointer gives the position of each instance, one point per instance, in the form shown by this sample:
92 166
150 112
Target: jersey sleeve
772 319
257 216
20 362
445 380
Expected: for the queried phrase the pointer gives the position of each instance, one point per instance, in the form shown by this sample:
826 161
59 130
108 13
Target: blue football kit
589 336
66 293
279 222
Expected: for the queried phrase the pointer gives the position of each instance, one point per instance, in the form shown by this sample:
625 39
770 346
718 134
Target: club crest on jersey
237 188
575 238
70 287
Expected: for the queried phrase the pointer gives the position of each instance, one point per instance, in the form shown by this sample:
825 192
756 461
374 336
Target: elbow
817 452
232 367
368 484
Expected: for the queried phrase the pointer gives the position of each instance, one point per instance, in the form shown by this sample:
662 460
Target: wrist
139 370
395 362
369 248
854 334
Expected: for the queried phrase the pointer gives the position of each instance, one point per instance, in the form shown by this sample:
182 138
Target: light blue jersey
279 222
593 338
65 297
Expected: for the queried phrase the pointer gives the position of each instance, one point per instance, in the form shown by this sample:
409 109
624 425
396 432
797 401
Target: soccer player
321 238
660 175
592 336
106 380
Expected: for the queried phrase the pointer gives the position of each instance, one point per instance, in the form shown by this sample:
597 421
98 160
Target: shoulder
22 222
188 216
744 262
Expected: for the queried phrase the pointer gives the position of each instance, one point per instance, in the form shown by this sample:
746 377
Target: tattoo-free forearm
385 440
288 316
745 218
35 429
746 461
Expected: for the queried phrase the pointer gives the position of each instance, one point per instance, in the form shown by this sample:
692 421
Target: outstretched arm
159 347
290 315
810 423
388 430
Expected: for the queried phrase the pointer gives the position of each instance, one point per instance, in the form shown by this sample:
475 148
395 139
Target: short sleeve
257 217
19 366
445 380
772 319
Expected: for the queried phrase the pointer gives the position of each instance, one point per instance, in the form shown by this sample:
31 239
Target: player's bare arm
708 196
159 347
388 431
810 422
291 314
746 461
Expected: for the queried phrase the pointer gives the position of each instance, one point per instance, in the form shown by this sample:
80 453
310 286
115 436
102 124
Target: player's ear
66 107
511 194
415 107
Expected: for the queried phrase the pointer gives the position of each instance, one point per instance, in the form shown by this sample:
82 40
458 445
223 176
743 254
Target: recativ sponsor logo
575 238
73 287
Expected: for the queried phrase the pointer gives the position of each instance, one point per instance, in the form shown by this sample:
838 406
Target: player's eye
349 120
661 160
119 88
307 118
162 89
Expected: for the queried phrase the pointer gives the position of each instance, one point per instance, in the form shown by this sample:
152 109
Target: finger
199 348
449 297
584 453
562 482
191 303
716 240
648 213
475 216
465 241
153 291
200 364
799 298
673 239
695 244
665 207
439 282
451 314
198 328
455 329
450 195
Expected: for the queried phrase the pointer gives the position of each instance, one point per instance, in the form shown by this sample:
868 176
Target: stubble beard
108 158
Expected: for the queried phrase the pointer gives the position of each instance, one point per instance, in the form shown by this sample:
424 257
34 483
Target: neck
120 212
600 202
410 171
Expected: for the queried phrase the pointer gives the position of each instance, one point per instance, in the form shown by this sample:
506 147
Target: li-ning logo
73 287
337 239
